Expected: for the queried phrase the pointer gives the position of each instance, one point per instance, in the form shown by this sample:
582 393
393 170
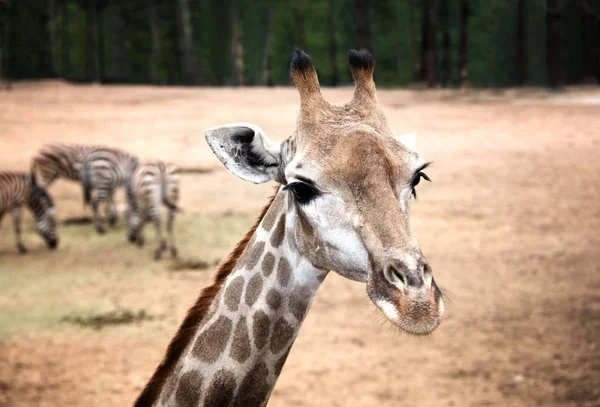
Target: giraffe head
349 184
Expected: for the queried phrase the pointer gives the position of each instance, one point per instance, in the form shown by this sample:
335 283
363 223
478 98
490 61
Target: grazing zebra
60 160
153 185
102 172
18 189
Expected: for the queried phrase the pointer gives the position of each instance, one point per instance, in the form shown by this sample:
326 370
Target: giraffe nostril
398 273
427 275
399 276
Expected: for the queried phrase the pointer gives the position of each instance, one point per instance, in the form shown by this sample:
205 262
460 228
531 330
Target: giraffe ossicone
342 204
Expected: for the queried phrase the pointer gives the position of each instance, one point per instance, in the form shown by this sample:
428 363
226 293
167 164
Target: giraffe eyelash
417 178
303 192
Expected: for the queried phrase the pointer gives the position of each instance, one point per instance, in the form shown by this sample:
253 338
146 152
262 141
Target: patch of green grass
89 273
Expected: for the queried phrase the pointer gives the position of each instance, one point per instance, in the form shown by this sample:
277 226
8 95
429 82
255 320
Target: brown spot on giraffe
284 272
272 214
254 289
274 299
220 391
267 264
188 390
254 388
261 325
278 233
279 364
300 301
170 386
282 334
233 293
251 257
240 347
212 342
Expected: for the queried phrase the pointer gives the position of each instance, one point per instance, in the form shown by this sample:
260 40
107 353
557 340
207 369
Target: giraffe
342 204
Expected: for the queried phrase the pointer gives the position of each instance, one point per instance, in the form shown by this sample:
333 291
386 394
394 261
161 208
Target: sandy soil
510 226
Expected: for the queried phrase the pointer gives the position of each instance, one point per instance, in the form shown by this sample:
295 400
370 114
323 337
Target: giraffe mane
194 317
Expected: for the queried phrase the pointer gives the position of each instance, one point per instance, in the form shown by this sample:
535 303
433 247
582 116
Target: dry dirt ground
510 226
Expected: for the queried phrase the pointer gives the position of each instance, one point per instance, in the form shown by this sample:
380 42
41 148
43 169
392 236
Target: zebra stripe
153 185
65 161
60 161
102 172
19 189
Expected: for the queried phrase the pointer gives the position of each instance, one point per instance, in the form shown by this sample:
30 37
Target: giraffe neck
239 349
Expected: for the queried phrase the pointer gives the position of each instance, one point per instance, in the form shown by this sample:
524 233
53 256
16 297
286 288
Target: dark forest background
482 43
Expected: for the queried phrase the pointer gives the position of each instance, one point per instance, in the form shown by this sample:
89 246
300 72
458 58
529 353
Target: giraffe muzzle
406 292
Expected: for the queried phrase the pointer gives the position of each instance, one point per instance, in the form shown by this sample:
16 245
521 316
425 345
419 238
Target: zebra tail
172 207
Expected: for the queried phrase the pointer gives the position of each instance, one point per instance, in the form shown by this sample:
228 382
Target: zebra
58 160
102 171
152 185
18 189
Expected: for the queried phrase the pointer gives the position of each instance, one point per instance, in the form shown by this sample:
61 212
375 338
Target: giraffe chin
418 312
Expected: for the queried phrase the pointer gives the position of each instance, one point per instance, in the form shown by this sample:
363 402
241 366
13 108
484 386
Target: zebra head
43 210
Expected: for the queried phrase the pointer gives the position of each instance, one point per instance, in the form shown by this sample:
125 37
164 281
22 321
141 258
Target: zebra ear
33 179
245 151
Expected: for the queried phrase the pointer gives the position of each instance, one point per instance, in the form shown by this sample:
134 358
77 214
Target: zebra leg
139 238
170 223
16 215
110 211
97 219
162 245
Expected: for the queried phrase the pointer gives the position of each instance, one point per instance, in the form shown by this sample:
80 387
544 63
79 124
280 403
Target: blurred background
502 96
495 43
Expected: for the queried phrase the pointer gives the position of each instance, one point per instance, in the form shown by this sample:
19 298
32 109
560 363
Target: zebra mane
194 318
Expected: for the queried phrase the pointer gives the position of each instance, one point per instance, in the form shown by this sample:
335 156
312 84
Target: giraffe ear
409 140
244 150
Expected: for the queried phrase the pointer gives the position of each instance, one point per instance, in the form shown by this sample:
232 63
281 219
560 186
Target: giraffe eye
416 181
303 193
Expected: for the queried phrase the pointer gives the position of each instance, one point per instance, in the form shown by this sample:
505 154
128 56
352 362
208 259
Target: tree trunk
268 61
90 46
3 23
66 61
300 24
428 48
155 48
590 21
191 70
120 47
52 44
521 52
335 75
237 47
445 44
1 50
4 46
362 24
416 60
463 47
553 42
100 43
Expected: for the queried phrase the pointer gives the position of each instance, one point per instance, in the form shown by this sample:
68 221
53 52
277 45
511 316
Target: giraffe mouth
416 311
